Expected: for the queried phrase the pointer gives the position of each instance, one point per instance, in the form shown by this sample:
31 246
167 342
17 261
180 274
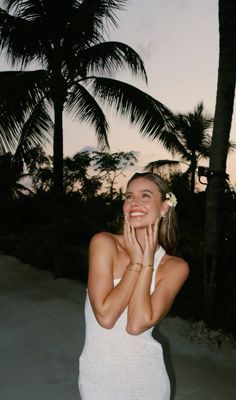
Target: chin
138 224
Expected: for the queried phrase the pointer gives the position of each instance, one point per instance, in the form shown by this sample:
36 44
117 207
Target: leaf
84 106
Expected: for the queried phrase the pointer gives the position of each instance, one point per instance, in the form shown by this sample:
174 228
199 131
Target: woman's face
142 203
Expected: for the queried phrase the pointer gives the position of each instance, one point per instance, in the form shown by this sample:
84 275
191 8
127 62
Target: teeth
136 214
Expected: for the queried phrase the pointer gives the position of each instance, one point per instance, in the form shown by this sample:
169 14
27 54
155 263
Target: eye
146 195
127 196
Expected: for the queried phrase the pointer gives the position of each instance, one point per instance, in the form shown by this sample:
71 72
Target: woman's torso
99 339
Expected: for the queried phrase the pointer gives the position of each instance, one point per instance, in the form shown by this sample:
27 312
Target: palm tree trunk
58 148
193 173
214 229
59 96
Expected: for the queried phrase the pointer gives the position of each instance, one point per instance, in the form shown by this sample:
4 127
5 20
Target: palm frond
193 130
36 130
19 38
9 129
109 57
85 23
171 142
151 116
232 146
29 87
101 10
84 106
155 165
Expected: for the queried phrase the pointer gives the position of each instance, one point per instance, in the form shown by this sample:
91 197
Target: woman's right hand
131 243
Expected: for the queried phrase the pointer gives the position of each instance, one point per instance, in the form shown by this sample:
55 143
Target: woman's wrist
134 266
148 267
137 266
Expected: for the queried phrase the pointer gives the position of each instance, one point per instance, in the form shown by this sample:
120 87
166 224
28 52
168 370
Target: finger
146 244
133 234
129 231
126 230
150 232
155 228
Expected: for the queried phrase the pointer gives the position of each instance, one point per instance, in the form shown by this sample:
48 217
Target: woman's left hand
151 234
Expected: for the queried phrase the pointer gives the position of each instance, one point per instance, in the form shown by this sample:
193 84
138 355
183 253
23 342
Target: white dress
115 365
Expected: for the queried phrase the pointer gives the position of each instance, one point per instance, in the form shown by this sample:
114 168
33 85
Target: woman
128 295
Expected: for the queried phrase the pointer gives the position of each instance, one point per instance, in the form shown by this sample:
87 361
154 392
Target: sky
178 42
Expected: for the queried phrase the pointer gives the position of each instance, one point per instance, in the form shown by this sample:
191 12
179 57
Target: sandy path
42 334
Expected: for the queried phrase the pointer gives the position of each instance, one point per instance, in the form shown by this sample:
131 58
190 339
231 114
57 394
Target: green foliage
111 166
26 231
189 140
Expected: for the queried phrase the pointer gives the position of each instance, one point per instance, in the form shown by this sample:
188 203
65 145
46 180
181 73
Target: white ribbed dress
115 365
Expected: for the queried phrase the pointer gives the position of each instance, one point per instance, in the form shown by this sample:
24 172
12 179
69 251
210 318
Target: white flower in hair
172 201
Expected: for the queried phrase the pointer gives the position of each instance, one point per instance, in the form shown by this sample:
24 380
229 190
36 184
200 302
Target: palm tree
214 227
67 41
190 140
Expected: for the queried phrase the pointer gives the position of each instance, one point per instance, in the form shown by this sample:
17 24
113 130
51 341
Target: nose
134 201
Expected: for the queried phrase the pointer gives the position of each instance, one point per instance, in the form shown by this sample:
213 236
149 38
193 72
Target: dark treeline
92 202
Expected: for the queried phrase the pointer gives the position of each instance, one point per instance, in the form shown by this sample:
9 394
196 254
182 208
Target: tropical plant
11 176
40 169
67 40
77 176
190 140
111 166
30 133
214 258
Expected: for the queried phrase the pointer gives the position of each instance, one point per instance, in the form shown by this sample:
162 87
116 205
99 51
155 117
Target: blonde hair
168 224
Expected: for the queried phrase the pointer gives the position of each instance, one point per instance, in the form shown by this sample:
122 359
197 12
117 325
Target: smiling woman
131 287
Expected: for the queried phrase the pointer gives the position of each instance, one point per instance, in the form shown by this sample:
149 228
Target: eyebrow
142 191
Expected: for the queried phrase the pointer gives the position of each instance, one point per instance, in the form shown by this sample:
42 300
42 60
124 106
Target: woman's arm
107 301
146 310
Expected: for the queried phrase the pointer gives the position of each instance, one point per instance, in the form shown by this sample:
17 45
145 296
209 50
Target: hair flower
172 201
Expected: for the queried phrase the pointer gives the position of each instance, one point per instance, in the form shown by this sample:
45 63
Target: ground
42 334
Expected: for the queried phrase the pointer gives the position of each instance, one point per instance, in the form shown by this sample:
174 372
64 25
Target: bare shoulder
175 265
103 241
102 238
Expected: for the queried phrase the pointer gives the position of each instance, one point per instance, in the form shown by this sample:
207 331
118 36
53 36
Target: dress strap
157 258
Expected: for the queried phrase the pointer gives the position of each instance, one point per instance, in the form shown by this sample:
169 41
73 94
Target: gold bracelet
130 267
149 266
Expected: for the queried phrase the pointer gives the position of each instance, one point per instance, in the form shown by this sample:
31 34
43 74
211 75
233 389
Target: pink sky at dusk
178 42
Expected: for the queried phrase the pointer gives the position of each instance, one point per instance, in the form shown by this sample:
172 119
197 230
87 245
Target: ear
164 208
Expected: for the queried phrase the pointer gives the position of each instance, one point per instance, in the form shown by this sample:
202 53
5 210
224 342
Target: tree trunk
214 229
193 173
59 96
58 148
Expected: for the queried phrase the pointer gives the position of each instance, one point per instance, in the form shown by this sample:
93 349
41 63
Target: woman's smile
136 213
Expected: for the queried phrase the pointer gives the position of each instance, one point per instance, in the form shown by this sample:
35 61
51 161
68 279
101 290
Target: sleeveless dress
115 365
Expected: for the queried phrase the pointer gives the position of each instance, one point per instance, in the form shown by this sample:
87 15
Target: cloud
89 149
